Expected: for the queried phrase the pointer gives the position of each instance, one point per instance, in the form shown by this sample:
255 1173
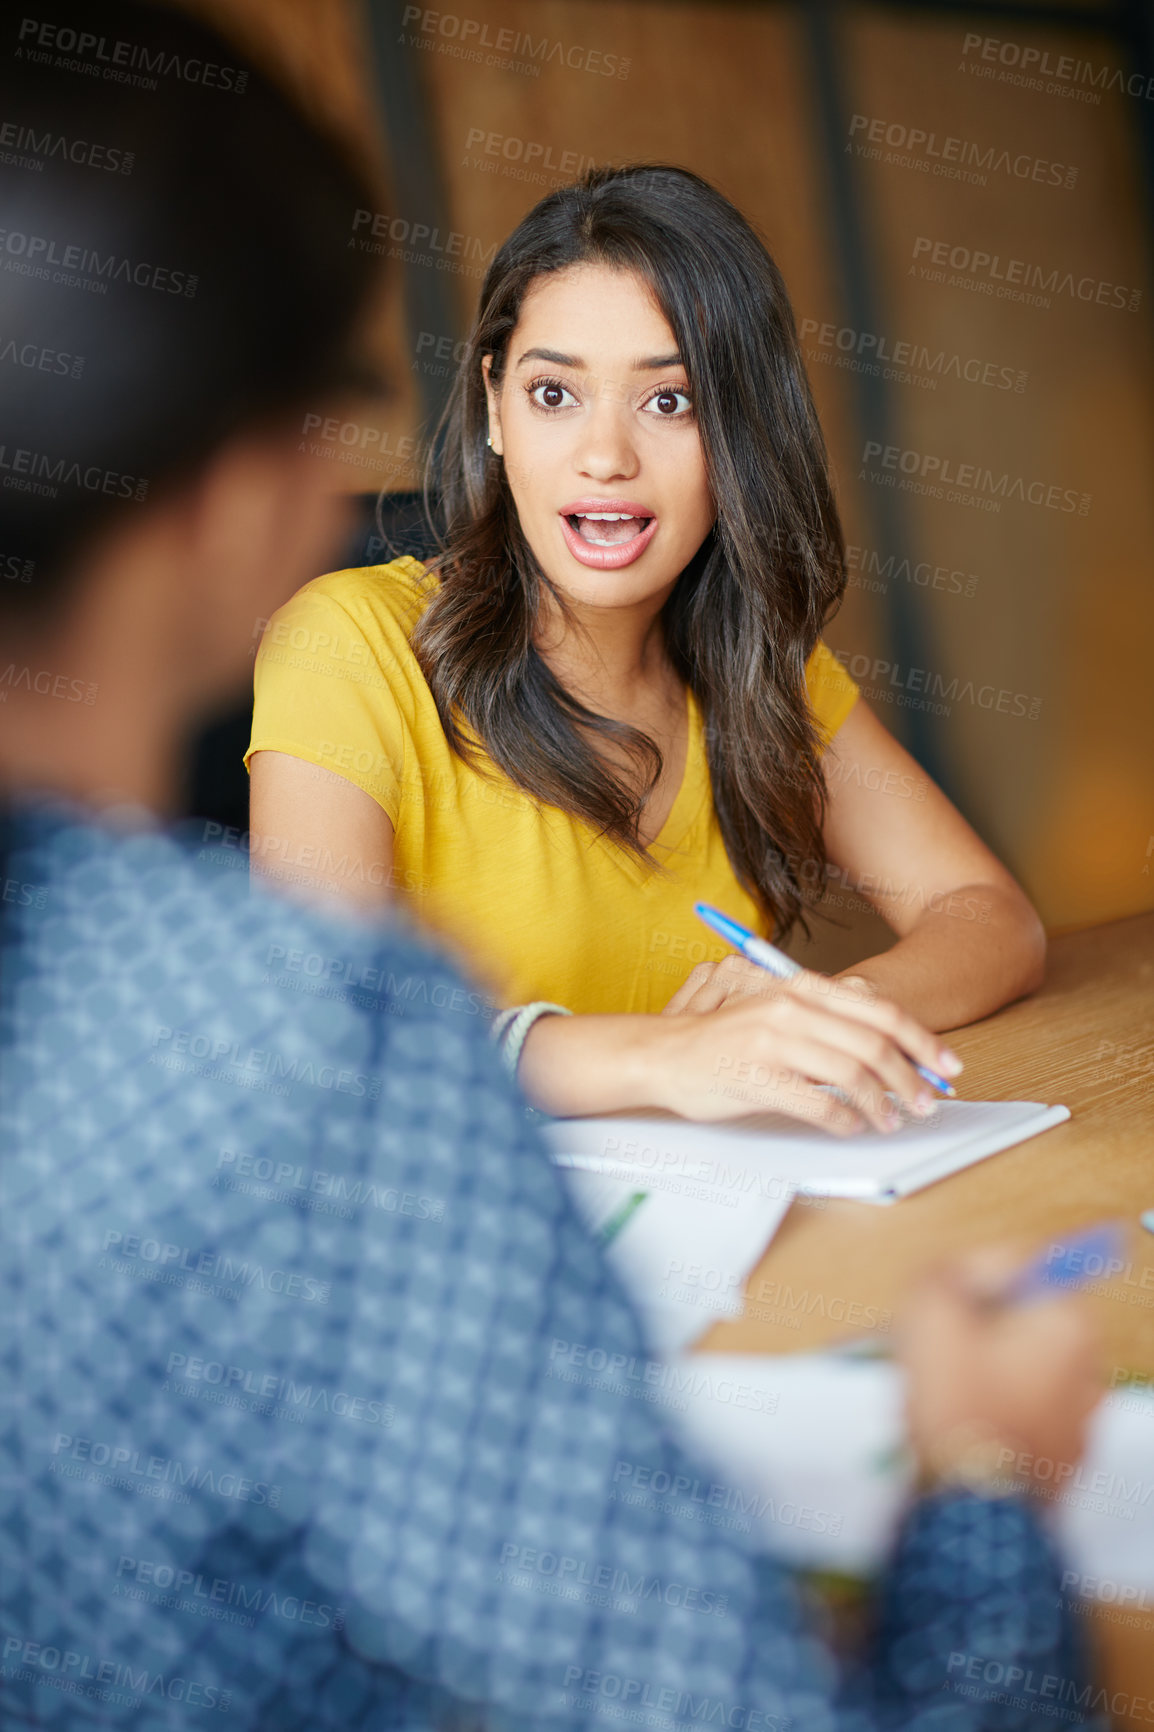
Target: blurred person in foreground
284 1272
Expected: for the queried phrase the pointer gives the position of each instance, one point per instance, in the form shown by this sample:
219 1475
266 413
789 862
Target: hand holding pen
1004 1365
765 955
816 1049
834 1054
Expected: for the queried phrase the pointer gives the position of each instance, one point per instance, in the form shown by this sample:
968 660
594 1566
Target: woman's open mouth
607 533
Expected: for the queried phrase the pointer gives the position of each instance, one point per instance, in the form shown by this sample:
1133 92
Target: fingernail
923 1105
950 1063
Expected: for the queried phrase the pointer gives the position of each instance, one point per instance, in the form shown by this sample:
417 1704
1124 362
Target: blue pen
1093 1254
774 961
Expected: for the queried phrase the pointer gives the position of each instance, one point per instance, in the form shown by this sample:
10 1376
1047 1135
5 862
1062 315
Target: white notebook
772 1155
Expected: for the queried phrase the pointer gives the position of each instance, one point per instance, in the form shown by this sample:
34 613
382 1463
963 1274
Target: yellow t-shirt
534 903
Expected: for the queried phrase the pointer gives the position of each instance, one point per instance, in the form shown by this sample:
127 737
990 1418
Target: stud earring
489 441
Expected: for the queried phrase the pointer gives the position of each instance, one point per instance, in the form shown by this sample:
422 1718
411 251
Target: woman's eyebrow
554 355
648 363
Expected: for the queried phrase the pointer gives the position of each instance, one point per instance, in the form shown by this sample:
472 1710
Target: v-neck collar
684 811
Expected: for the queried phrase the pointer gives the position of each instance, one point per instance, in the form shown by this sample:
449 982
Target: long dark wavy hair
749 607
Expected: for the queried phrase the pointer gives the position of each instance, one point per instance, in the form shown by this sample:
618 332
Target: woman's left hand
712 984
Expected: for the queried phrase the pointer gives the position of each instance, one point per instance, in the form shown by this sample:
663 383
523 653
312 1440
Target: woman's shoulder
394 594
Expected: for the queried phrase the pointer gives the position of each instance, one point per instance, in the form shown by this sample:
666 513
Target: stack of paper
682 1256
686 1210
774 1155
807 1451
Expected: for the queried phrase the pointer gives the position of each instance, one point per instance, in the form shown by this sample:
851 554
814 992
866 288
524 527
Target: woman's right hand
769 1052
785 1048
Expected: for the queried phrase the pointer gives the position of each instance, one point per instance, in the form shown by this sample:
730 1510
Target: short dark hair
176 265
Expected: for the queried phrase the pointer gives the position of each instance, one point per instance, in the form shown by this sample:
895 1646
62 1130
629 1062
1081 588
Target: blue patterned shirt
299 1428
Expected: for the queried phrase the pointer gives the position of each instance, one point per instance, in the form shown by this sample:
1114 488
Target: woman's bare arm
318 837
969 939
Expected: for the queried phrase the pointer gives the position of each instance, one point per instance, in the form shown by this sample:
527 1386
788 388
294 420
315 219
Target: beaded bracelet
511 1027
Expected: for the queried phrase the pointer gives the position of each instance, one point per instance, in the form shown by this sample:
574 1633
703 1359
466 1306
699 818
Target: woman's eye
551 395
669 404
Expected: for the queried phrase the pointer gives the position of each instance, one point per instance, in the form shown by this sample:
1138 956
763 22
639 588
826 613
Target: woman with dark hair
612 699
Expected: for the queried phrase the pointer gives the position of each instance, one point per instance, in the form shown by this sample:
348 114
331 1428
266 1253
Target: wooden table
1087 1040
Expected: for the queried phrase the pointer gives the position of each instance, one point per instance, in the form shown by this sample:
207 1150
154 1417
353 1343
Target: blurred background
961 199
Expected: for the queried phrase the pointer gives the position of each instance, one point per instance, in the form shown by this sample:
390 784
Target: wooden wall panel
1064 608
